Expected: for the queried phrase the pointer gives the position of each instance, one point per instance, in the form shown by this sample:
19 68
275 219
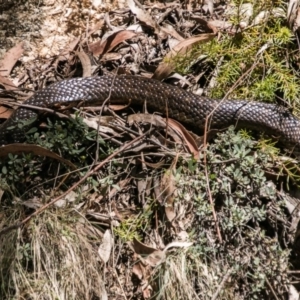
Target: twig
100 114
212 203
208 118
271 288
45 109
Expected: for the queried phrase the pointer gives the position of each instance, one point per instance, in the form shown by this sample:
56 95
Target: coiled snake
177 103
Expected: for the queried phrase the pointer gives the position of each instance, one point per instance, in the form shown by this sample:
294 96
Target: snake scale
184 106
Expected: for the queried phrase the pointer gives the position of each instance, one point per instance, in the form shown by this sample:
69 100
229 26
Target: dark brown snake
179 104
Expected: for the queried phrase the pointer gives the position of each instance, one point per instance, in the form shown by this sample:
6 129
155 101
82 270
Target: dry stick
100 114
94 170
271 288
293 272
45 109
208 118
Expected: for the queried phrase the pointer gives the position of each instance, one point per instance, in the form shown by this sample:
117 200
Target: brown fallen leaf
147 292
143 16
166 67
85 63
10 58
156 258
184 46
138 270
208 6
143 273
102 124
141 248
121 184
187 43
149 255
5 112
118 107
67 199
7 83
163 70
34 203
171 31
102 47
206 25
187 137
176 127
36 150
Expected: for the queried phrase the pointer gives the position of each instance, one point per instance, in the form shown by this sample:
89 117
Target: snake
174 102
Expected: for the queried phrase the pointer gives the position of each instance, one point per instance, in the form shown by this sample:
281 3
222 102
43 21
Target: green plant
257 62
242 196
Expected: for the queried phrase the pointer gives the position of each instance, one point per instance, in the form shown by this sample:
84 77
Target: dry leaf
104 295
147 292
171 31
93 123
121 184
10 58
297 21
104 249
188 138
163 71
155 259
142 249
169 207
186 44
5 112
148 255
102 47
166 68
7 83
172 125
138 270
143 16
85 63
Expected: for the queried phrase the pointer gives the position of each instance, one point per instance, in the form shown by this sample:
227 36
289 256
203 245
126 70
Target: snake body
184 106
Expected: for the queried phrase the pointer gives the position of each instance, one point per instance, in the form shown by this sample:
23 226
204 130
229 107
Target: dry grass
53 257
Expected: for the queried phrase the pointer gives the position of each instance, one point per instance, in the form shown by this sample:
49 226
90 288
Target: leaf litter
142 219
